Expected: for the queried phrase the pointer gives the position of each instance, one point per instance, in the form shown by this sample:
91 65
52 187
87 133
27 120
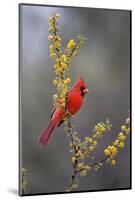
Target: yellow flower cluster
92 146
53 37
71 44
97 166
88 146
62 87
50 37
90 143
78 156
61 65
83 168
101 128
112 151
83 173
113 162
24 184
88 140
119 142
61 62
55 97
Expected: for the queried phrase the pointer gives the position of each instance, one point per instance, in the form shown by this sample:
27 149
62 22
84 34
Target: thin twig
73 181
96 163
76 171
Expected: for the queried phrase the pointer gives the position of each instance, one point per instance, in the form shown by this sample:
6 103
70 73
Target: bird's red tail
46 134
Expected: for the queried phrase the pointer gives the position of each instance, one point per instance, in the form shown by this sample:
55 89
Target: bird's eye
82 88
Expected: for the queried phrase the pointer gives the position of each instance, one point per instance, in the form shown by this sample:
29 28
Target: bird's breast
75 101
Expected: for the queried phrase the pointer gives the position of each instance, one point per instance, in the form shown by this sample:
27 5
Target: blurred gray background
104 63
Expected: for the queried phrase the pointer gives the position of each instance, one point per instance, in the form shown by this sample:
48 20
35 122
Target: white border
9 97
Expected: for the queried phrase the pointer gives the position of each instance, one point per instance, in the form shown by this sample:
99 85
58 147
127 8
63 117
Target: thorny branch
80 149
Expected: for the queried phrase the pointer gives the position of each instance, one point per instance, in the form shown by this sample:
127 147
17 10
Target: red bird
74 103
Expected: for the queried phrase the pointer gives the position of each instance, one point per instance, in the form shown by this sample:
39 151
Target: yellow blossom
73 159
50 37
87 167
120 134
57 38
55 82
106 152
50 18
64 58
91 148
51 47
88 139
127 120
65 82
62 96
121 145
71 44
95 142
83 173
55 97
57 60
51 21
123 128
96 127
57 16
81 165
116 142
50 29
57 44
64 65
58 70
113 150
53 55
113 162
68 80
123 138
102 129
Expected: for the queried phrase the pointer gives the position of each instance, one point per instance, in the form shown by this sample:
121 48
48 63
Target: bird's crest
80 82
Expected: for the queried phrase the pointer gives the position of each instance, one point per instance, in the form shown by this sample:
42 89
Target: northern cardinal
74 103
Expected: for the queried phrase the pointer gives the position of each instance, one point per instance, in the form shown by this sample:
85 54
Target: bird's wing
67 100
